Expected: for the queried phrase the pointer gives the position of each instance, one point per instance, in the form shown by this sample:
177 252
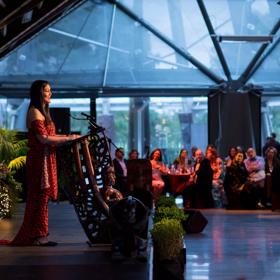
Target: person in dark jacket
234 182
120 166
203 185
272 180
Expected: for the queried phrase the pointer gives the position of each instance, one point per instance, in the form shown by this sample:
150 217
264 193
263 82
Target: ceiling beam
214 40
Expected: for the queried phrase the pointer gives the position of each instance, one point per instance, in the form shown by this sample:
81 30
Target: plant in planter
166 201
13 148
172 212
169 254
9 189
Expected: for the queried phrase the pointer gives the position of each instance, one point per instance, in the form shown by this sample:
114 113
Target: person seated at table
158 168
218 192
235 177
181 163
231 154
272 170
255 166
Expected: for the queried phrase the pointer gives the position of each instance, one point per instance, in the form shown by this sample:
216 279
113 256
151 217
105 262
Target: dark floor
71 259
234 245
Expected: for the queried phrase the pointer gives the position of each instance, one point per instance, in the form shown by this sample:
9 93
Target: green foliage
168 238
169 213
166 201
17 163
11 148
9 190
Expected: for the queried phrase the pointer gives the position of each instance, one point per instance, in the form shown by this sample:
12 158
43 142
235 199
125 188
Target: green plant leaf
17 163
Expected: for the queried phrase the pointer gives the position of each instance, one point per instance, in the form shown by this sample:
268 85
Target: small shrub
166 201
168 238
169 213
9 190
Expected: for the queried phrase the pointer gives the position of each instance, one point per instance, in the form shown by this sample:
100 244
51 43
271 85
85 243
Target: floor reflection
235 245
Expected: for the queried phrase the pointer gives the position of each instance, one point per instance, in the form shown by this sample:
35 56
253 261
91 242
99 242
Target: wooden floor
234 245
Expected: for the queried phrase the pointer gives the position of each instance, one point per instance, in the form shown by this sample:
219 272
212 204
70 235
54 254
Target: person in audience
120 166
256 176
133 154
241 150
272 142
272 180
203 184
158 168
193 150
218 192
189 192
230 157
235 178
181 163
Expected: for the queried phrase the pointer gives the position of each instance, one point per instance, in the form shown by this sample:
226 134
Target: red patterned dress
41 184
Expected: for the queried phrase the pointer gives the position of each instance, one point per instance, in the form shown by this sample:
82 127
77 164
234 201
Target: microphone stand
95 128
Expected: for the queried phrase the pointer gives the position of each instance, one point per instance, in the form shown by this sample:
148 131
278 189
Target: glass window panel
138 58
174 123
268 74
78 124
177 123
239 17
270 117
13 112
113 115
71 51
183 24
238 56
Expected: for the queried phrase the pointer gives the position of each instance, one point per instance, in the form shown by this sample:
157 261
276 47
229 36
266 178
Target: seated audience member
256 176
240 149
272 180
158 168
218 192
133 154
272 142
235 177
230 157
120 166
203 184
193 150
182 163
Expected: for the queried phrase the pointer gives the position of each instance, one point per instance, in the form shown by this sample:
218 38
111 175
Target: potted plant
172 212
13 148
166 201
9 189
169 253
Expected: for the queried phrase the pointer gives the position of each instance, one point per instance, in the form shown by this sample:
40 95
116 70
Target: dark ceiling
19 20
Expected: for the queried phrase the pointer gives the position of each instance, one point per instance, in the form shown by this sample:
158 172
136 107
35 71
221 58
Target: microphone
93 124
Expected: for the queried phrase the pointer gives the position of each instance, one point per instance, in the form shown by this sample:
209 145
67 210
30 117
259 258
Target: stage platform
71 259
241 245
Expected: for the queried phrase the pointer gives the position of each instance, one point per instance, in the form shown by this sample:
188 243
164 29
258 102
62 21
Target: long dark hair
152 154
36 98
